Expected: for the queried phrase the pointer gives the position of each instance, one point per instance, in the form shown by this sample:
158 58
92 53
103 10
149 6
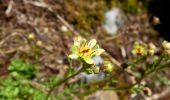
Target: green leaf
89 71
19 68
74 49
89 61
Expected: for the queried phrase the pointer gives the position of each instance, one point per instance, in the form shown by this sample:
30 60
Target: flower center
85 51
139 51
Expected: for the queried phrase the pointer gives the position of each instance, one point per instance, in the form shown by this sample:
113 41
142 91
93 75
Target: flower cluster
166 46
142 49
86 51
139 49
151 48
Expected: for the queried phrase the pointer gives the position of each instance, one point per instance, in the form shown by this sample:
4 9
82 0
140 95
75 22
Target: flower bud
107 66
64 28
139 49
151 48
147 91
39 43
31 36
155 20
166 46
96 69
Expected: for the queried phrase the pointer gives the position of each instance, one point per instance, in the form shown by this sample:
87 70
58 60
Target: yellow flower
31 36
39 43
79 40
139 49
107 66
151 48
166 46
85 51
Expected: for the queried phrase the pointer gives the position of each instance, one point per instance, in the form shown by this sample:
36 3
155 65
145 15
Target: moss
133 6
85 14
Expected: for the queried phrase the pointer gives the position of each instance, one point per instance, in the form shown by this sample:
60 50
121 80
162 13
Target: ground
49 46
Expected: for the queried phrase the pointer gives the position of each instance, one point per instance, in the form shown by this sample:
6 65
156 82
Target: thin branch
6 38
62 82
9 9
44 5
113 60
159 95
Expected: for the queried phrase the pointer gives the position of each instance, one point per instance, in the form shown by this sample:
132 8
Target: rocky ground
54 23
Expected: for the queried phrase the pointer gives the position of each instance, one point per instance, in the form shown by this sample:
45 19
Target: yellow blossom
139 49
39 43
166 46
31 36
107 66
151 48
85 51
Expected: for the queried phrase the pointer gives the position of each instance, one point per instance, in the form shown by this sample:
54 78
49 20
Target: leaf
89 61
89 71
73 56
74 49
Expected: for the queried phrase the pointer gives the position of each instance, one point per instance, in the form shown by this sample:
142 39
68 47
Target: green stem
153 70
156 65
61 82
136 61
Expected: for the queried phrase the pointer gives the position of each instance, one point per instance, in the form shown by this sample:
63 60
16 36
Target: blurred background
39 33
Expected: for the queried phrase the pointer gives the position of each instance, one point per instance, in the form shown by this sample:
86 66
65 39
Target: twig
39 86
117 63
44 5
66 24
36 85
5 39
112 37
61 82
9 9
159 95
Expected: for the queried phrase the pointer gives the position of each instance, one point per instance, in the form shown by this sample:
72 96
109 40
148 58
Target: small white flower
64 28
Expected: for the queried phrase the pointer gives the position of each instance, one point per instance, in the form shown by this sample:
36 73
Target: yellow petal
92 43
78 41
89 61
98 52
73 56
166 45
